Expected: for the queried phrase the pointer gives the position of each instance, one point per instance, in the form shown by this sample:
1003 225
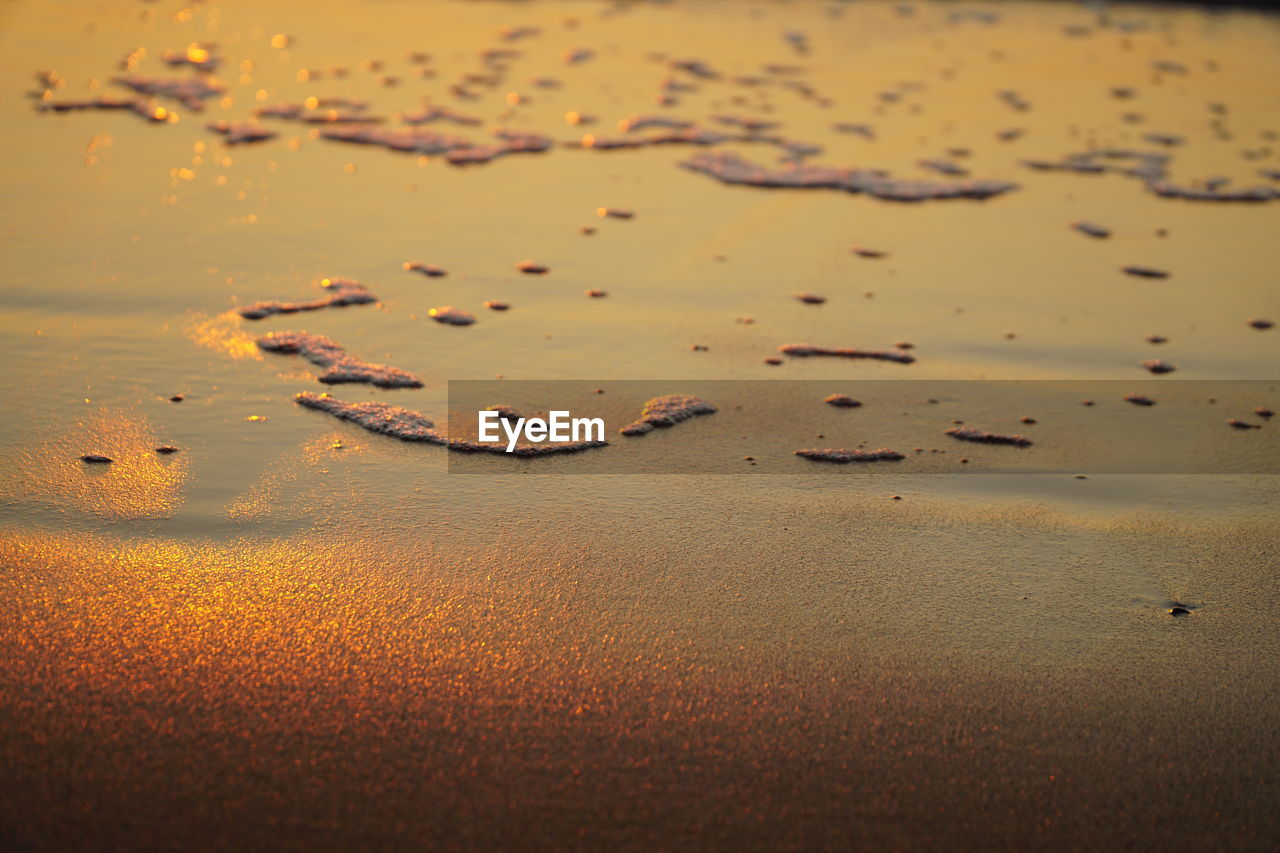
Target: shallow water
297 632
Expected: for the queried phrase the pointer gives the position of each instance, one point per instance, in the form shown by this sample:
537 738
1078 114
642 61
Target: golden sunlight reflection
139 482
272 495
222 334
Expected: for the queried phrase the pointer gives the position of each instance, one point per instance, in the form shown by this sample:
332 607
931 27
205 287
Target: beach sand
296 633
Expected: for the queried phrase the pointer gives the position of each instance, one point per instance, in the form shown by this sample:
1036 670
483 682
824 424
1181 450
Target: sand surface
296 633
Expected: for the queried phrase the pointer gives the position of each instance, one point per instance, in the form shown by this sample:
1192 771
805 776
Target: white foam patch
340 367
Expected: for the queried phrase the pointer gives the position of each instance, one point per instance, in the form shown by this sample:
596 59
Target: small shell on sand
666 411
340 366
869 253
1264 412
1139 399
429 270
95 458
496 305
614 213
1145 272
1259 323
451 316
841 401
530 268
884 454
342 291
595 293
1157 365
1239 424
807 350
1157 339
166 449
811 298
966 434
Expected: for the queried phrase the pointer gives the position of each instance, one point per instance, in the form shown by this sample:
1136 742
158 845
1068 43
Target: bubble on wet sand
667 411
531 268
1239 424
340 366
526 451
1169 140
1158 365
342 292
731 169
1139 399
138 106
748 123
643 122
982 437
1145 272
863 130
884 454
378 417
1259 323
429 270
1091 229
414 139
1150 167
576 55
811 298
1167 189
408 425
841 401
808 350
431 113
507 413
239 132
451 316
191 92
320 111
496 305
198 55
943 167
680 136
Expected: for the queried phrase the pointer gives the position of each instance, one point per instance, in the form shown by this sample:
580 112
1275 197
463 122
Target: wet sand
295 632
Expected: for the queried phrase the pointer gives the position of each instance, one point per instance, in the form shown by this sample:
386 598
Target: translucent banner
1152 426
